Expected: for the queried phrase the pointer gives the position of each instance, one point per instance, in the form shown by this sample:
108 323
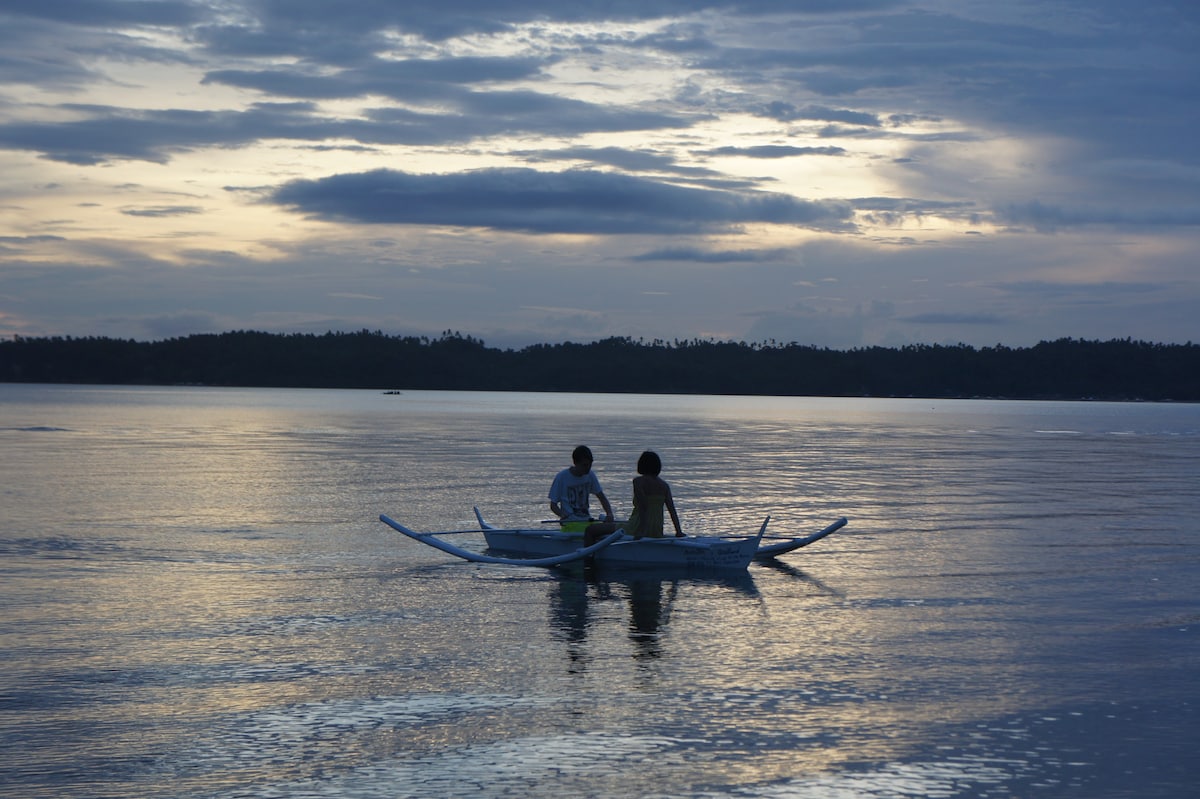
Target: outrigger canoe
553 547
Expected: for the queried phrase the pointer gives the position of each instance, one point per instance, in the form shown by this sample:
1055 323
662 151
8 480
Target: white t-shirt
572 493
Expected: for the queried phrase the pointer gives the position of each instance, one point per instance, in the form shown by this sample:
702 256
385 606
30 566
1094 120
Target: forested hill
1063 369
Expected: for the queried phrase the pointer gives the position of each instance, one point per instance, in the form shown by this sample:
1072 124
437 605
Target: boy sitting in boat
571 490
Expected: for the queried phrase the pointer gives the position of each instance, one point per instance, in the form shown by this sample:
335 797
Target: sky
835 173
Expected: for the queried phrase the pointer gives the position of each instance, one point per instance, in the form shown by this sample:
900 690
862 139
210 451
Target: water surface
199 600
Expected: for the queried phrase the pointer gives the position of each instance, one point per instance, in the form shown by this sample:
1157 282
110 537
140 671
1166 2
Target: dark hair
649 463
581 453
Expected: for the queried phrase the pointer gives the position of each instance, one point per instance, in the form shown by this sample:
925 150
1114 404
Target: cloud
180 324
894 211
163 211
626 159
703 256
1048 218
416 79
105 133
787 112
644 162
945 318
29 239
530 201
274 27
1081 291
774 151
107 13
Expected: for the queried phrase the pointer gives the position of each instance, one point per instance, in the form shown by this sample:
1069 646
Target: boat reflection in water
583 598
647 611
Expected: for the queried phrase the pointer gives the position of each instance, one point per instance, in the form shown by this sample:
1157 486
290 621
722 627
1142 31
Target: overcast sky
839 173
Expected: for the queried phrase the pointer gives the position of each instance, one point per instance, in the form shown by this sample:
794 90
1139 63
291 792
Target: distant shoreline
1119 370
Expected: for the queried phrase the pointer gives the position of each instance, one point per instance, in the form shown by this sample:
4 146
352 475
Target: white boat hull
690 553
701 553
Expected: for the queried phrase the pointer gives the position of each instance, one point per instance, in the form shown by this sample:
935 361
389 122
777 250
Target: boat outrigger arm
771 550
432 540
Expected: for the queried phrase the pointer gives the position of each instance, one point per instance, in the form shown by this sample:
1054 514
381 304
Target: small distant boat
549 546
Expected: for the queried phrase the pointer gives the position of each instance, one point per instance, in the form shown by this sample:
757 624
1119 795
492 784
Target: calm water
198 599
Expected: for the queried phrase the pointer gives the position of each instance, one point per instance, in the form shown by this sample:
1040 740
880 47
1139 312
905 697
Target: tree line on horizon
1119 369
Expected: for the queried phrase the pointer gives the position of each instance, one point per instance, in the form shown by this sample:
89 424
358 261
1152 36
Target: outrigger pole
475 557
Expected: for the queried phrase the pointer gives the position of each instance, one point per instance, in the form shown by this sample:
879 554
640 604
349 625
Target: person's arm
556 498
674 516
635 515
607 506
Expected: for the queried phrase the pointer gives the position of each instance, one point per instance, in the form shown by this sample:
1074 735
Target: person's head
649 464
582 458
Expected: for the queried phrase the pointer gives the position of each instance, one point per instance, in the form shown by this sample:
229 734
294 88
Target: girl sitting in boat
650 494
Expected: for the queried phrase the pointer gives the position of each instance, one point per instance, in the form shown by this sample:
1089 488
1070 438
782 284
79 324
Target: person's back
650 495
